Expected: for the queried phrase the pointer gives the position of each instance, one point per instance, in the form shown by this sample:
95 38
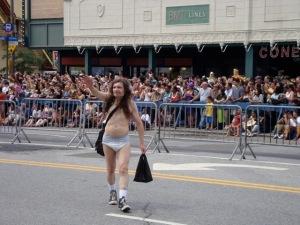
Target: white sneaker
113 199
123 205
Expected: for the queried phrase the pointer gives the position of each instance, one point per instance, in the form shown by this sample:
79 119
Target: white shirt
204 93
298 120
5 89
147 97
292 123
259 98
146 118
228 93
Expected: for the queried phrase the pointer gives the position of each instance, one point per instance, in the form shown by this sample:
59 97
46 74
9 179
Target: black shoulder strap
110 114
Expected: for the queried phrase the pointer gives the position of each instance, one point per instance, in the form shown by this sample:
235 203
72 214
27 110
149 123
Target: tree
27 60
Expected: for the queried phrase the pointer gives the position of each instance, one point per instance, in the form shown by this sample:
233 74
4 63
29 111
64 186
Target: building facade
5 17
179 36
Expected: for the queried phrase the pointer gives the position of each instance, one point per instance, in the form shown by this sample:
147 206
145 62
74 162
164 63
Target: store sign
55 60
12 44
187 14
8 27
279 52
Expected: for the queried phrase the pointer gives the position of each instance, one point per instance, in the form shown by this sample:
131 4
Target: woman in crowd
290 94
257 96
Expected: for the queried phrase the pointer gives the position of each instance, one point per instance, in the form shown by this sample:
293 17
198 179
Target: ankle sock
123 193
112 187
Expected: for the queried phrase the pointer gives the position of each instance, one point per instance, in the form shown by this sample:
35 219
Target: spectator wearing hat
211 78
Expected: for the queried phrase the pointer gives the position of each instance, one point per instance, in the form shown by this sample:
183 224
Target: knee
110 170
123 169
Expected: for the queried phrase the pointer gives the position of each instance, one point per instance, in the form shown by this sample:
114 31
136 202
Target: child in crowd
209 113
235 126
145 117
252 126
297 116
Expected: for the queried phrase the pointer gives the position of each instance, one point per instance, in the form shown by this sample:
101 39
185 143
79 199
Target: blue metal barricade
271 125
9 120
56 119
200 122
94 116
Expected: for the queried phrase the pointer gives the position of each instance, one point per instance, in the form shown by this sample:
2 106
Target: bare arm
196 97
89 84
139 124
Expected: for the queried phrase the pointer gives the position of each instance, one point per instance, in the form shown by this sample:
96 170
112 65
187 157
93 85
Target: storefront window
173 72
76 70
105 70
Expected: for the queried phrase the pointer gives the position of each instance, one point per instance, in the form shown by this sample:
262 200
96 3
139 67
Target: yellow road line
231 183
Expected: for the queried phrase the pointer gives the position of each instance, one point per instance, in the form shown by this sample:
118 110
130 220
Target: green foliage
27 60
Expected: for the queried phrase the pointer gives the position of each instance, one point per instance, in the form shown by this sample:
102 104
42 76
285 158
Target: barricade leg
17 136
157 140
245 149
79 136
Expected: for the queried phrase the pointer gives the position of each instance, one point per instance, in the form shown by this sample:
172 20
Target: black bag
98 144
143 172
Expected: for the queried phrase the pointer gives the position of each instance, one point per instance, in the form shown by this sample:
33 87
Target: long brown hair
124 103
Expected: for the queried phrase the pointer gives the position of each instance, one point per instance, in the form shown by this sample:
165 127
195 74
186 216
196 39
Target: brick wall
46 9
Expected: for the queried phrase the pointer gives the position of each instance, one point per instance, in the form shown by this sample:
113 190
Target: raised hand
88 81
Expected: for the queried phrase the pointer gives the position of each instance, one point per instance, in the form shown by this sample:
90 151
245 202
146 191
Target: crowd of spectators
150 88
222 89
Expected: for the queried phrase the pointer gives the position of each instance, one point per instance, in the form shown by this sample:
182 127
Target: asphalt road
193 184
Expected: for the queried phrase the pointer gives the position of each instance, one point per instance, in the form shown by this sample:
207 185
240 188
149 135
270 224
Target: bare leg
123 161
110 158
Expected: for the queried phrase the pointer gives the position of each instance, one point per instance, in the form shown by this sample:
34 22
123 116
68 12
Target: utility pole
9 28
7 57
12 33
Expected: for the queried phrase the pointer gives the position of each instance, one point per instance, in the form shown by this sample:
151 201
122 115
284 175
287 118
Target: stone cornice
244 37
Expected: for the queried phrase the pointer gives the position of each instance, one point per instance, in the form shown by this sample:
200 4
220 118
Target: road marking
143 219
63 146
222 158
203 180
53 135
207 166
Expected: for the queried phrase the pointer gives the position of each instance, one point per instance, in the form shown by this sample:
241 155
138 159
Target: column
60 67
249 63
87 61
151 60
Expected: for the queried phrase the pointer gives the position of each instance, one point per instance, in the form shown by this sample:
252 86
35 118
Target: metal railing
39 116
200 122
68 122
9 119
94 116
272 125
